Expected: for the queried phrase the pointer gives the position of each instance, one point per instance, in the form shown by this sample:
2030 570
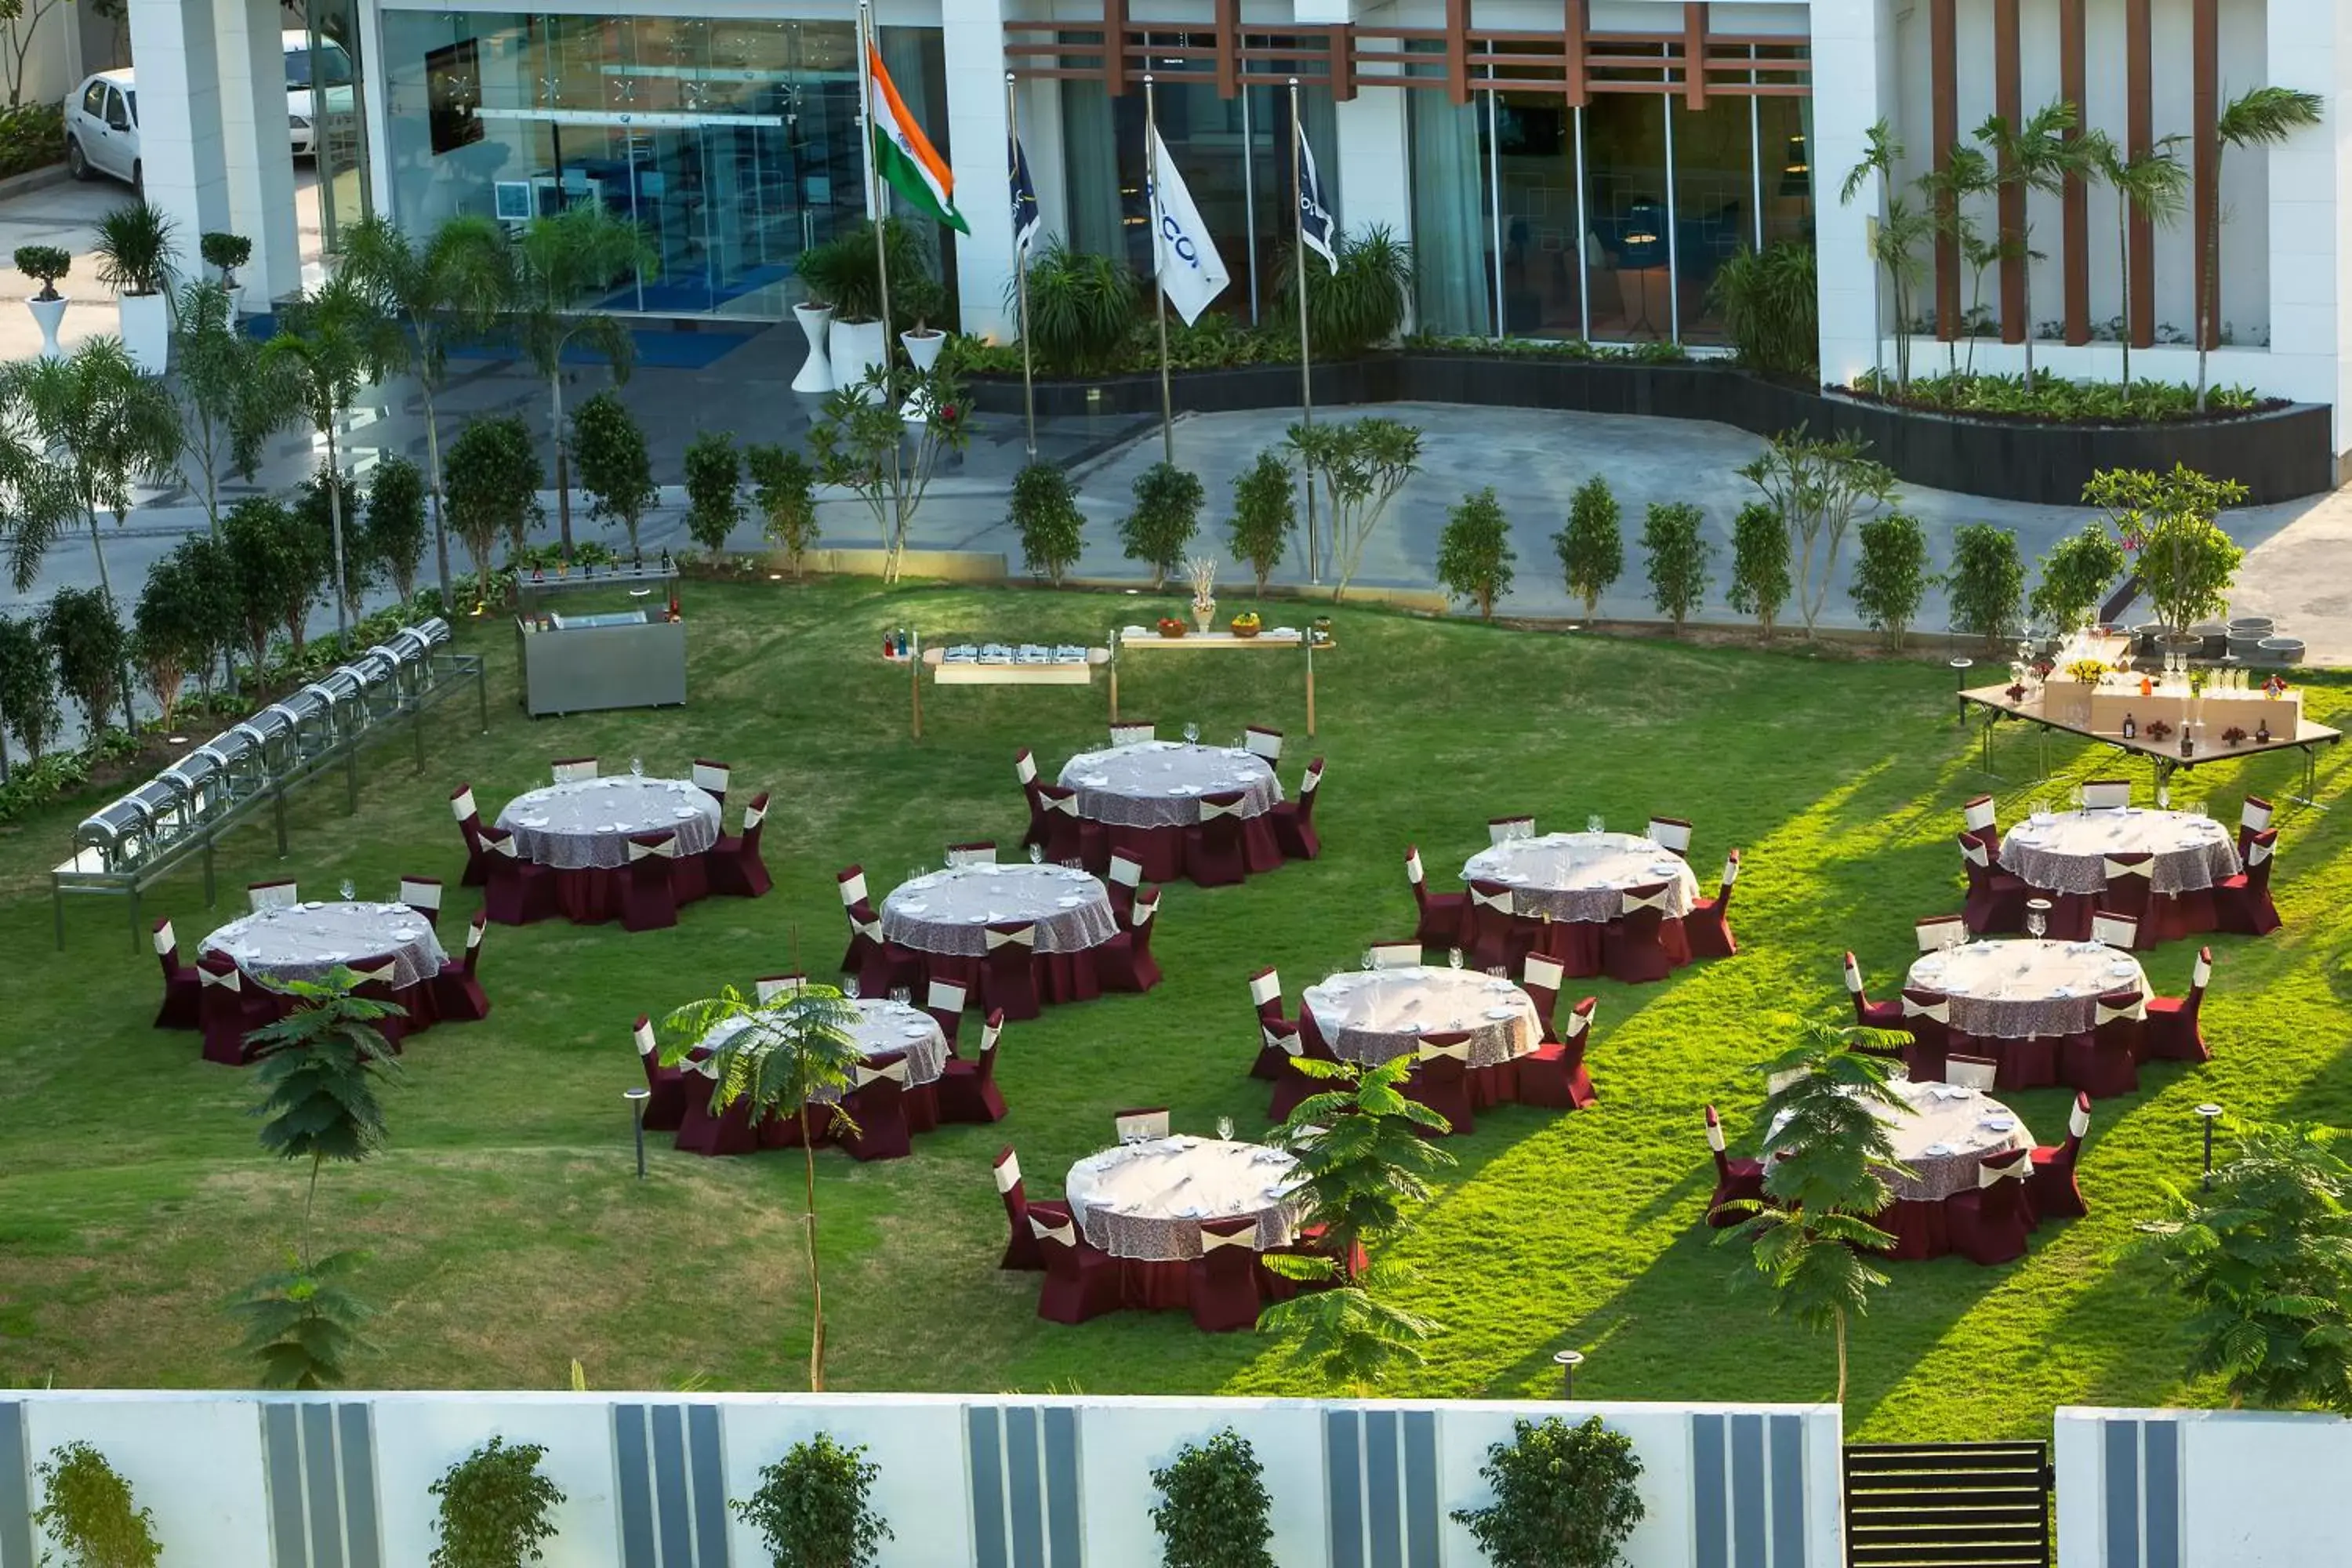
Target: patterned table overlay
948 912
303 942
1146 1201
1581 875
2025 989
1944 1138
2066 853
576 827
884 1026
1158 783
1371 1016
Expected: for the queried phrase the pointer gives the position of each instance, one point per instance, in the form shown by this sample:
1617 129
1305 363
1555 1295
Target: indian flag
904 156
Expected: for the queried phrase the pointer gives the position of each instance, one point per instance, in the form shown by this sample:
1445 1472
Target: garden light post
1960 667
1567 1362
2208 1113
636 1099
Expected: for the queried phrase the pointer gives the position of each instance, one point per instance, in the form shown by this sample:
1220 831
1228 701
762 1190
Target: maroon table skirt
1158 1286
1919 1231
1576 944
1160 850
1059 976
591 895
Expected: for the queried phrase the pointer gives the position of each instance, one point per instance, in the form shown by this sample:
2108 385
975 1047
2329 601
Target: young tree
714 489
1985 584
1212 1506
1895 242
91 651
860 441
2263 1260
1891 577
451 287
1474 552
494 1507
1825 1177
2152 186
2258 116
210 567
1565 1497
28 684
1045 514
1759 564
1590 549
1167 515
318 503
1819 487
1363 463
2034 156
2184 559
229 407
2078 569
812 1509
1951 192
1676 550
494 477
784 1052
1265 515
87 1507
784 488
395 523
169 632
615 469
330 342
277 568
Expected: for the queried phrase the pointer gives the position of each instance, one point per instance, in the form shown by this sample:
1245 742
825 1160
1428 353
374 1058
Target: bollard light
1960 667
1567 1362
636 1099
2208 1113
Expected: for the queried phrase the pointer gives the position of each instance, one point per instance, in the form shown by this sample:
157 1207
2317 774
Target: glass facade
733 142
338 99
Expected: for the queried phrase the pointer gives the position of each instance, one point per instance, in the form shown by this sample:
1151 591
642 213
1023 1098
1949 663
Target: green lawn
508 1235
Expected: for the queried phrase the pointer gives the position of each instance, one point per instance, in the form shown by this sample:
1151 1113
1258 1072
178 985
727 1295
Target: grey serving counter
615 644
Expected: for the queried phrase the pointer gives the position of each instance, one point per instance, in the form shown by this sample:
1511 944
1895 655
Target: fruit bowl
1171 627
1246 625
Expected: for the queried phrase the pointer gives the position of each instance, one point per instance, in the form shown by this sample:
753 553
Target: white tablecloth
574 826
948 912
1944 1135
2021 989
1369 1015
1147 1200
1158 783
303 942
1582 876
883 1027
2066 852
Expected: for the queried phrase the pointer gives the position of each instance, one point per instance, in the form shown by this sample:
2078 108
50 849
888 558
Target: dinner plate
909 908
1937 1149
915 1031
2000 1123
1502 1013
1069 903
682 812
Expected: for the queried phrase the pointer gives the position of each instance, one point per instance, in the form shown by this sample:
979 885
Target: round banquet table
2026 989
1582 876
304 942
948 912
1943 1135
2066 852
587 825
883 1027
1158 783
1146 1201
1371 1016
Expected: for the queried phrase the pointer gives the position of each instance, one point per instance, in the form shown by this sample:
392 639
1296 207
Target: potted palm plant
134 249
49 263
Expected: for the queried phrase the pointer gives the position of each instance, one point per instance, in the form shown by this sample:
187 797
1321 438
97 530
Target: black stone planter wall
2278 456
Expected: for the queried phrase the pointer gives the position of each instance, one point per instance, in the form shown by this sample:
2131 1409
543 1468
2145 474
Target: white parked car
102 113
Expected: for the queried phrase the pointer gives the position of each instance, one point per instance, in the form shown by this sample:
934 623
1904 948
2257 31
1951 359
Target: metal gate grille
1947 1505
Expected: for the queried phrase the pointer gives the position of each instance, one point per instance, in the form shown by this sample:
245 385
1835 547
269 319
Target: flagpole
1020 278
1298 276
878 195
1158 284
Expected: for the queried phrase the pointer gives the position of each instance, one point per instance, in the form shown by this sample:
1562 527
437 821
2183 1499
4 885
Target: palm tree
784 1054
103 424
1825 1172
2258 116
1880 153
559 268
2035 156
1967 174
2154 184
330 342
452 286
231 407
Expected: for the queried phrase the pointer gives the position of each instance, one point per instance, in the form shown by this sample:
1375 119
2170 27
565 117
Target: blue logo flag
1317 223
1026 222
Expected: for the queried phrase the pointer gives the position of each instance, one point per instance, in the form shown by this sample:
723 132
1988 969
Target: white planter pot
47 314
147 330
923 348
857 348
817 371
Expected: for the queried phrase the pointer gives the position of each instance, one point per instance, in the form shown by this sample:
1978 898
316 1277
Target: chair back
2125 1005
1978 813
945 998
754 814
1918 1002
1217 1235
1132 732
711 778
1642 907
1265 991
642 1032
1971 1072
1057 1239
1138 918
1414 874
1011 946
167 943
1490 896
218 971
2199 975
992 1032
421 894
1715 1139
980 852
2106 795
1127 871
1141 1126
461 804
1395 954
271 896
1853 975
768 988
853 886
500 841
652 847
1451 1045
1503 829
2261 851
2016 1168
1007 1175
475 931
2128 873
2121 931
1262 743
2078 1124
1223 805
1058 797
2254 816
884 1075
1730 876
573 770
1541 978
1671 833
1025 768
1978 859
1308 782
1580 1020
1937 933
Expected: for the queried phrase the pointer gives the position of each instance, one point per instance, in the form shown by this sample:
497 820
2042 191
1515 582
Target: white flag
1183 255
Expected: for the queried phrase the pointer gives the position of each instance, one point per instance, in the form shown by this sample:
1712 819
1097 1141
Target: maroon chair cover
2070 915
1553 1075
1494 938
2254 816
1735 1179
1443 917
516 892
1294 820
1216 853
2029 1063
1008 976
1633 949
458 994
469 827
1707 928
1122 879
714 1133
1574 945
1261 849
2102 1063
864 926
1540 977
183 992
1440 1080
689 878
2120 1022
1290 1086
649 900
2128 892
2053 1185
1025 769
1068 836
967 1091
1927 1015
733 866
713 779
2242 904
922 1103
1125 961
2172 1032
666 1102
1996 901
1266 996
1989 1226
1081 1281
1870 1014
227 1009
1223 1281
1020 1251
877 1107
375 973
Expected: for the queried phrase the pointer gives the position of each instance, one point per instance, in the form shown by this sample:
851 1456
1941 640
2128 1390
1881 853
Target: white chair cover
2254 815
2078 1121
461 805
944 996
1939 1011
1545 973
1501 901
1130 734
1396 955
2103 1014
2111 869
574 771
1210 810
165 940
644 1034
1141 1126
1265 988
853 889
1211 1240
712 777
989 1035
227 979
1730 869
1413 871
755 813
1940 933
2101 794
1673 834
1309 781
1008 1173
1145 908
1286 1041
1578 1022
1990 1175
420 895
1025 766
1266 743
2115 931
870 930
895 1071
665 846
1978 813
1973 851
1715 1139
2258 852
1127 873
1459 1051
501 843
1965 1072
475 931
1065 1233
1657 900
1067 805
1853 975
2200 971
383 976
273 896
1024 935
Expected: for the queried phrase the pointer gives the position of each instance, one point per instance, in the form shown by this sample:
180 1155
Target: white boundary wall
2189 1489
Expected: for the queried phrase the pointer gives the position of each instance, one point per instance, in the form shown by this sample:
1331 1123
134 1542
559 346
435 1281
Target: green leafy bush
1592 553
1565 1497
46 262
1360 305
88 1509
1044 514
28 684
714 482
2076 574
494 1507
1986 585
32 136
784 487
1771 307
1212 1506
1676 550
2056 399
394 532
226 251
1081 307
1265 515
840 273
1167 515
88 644
811 1508
1890 576
1759 563
2186 561
1474 551
610 459
492 474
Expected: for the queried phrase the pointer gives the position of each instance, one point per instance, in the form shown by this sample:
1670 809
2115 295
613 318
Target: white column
2310 201
180 151
1375 173
257 150
1852 69
973 39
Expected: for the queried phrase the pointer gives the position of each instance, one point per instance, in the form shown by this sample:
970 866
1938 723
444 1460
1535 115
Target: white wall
2185 1489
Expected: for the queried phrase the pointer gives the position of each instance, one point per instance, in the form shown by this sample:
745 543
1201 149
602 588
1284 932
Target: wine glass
637 767
347 890
1036 854
2075 796
1366 961
2164 797
1226 1128
849 987
1454 958
2037 918
1192 734
901 996
1593 824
